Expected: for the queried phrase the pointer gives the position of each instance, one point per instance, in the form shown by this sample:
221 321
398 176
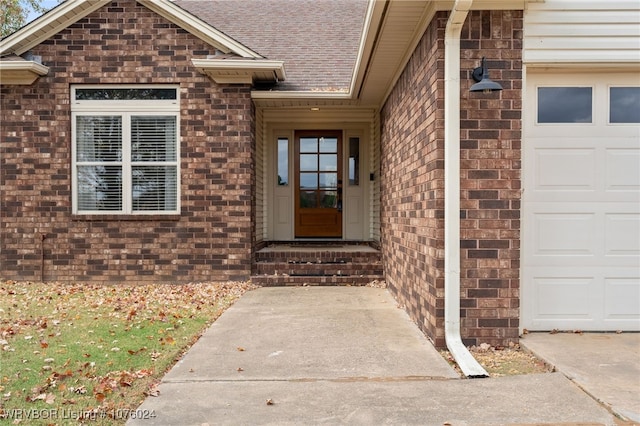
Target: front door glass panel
319 184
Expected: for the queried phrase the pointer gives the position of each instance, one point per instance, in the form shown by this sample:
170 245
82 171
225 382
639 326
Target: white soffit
398 32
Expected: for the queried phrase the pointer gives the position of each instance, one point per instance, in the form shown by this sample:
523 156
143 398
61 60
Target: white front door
581 202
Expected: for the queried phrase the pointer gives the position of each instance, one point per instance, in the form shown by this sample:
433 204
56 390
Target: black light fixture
484 83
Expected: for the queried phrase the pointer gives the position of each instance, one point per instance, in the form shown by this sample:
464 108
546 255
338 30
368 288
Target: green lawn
83 353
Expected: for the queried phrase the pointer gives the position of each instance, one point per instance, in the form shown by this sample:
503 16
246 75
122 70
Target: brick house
188 141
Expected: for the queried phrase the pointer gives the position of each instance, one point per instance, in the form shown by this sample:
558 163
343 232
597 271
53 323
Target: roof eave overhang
21 72
241 71
384 52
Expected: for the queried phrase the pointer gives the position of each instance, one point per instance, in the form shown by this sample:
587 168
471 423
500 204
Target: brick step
288 280
317 257
317 264
340 268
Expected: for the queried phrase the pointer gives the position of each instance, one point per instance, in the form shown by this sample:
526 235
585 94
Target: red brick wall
413 182
125 43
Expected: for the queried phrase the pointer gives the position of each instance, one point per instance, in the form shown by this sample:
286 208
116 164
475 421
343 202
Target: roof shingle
317 39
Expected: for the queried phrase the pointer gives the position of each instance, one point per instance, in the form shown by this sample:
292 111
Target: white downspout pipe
467 363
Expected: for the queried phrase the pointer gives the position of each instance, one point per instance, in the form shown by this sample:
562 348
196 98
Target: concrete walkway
344 355
605 365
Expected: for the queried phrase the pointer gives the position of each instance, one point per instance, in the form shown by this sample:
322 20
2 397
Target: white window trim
126 109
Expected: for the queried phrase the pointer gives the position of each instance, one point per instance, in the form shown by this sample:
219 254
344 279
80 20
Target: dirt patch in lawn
504 361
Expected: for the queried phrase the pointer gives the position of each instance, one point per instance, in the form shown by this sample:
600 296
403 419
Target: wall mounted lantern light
484 84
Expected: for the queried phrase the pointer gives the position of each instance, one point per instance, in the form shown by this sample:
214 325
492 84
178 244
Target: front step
317 264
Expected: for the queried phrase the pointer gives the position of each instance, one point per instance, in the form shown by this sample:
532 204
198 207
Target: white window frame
125 109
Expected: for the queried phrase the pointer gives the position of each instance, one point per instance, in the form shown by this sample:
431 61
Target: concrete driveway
605 365
344 355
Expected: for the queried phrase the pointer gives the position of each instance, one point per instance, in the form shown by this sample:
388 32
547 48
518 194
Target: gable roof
317 39
71 11
236 64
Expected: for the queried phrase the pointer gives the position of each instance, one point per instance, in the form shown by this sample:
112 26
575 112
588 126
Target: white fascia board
48 25
244 66
373 17
30 66
488 4
198 27
283 94
21 72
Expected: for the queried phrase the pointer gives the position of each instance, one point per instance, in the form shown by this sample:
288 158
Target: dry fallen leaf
270 401
153 391
240 349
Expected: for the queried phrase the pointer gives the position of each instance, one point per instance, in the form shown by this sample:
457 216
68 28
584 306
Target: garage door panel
564 234
622 170
563 297
557 237
622 298
562 169
622 234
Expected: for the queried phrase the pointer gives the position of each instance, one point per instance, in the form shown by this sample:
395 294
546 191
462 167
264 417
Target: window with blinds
125 155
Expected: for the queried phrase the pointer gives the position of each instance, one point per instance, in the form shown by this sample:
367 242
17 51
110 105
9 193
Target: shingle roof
317 39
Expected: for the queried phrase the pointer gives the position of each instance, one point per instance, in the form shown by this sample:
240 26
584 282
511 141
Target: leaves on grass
89 344
152 391
136 352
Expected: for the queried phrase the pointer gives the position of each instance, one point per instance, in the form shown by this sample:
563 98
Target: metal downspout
467 363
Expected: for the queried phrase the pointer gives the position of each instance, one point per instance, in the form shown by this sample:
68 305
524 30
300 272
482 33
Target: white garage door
581 202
